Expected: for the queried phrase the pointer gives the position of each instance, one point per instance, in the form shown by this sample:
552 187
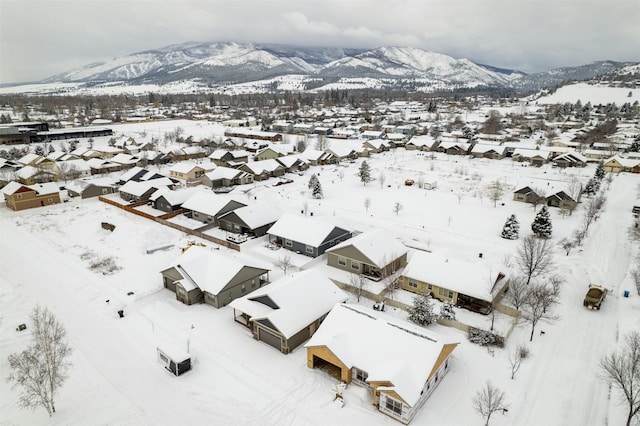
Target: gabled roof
184 167
207 202
302 229
370 340
40 188
299 299
255 215
139 188
476 278
212 271
379 246
222 172
176 197
263 166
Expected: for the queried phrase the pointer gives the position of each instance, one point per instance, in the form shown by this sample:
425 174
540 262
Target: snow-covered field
594 93
115 380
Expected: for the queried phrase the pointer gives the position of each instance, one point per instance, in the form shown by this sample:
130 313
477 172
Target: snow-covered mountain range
263 67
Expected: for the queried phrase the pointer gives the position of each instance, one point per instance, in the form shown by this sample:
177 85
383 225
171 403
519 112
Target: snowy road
564 379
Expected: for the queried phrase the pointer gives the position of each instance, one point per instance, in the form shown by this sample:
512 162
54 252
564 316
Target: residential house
486 150
554 194
287 312
29 175
535 157
262 170
133 191
376 145
207 207
223 177
188 173
398 362
375 254
100 166
341 151
306 235
453 148
254 219
570 159
89 189
168 200
422 143
202 275
373 134
222 157
474 284
617 164
18 196
293 163
274 151
126 161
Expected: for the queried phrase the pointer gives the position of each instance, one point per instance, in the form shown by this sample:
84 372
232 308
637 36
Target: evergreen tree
39 150
591 187
447 312
51 149
365 173
511 228
315 186
600 171
421 312
4 154
541 225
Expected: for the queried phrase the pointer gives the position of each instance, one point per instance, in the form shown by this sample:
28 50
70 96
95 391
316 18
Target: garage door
270 338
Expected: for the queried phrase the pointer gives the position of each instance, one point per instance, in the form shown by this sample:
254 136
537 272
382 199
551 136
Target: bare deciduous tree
489 400
567 245
542 297
534 256
367 204
359 283
41 369
517 293
283 263
591 210
495 191
397 207
622 370
382 178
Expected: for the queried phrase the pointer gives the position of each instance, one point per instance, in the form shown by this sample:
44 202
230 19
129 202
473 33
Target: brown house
375 254
21 197
399 363
287 312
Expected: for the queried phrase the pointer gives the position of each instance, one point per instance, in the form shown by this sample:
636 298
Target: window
413 283
309 249
163 357
355 265
394 406
288 243
243 287
104 190
253 283
445 293
429 286
18 196
450 294
361 375
342 261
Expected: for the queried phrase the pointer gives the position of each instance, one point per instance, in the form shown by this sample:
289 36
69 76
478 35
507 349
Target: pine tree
365 173
541 225
511 228
39 150
421 312
599 175
315 187
591 187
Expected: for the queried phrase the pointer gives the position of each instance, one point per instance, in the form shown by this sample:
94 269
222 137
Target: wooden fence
130 208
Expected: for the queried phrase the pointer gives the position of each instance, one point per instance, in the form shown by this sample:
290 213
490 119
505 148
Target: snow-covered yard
49 257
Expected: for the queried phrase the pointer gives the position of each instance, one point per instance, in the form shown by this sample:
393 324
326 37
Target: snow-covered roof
387 348
300 298
222 172
530 153
139 188
176 197
256 215
485 147
41 188
379 246
210 270
475 278
207 202
302 229
184 167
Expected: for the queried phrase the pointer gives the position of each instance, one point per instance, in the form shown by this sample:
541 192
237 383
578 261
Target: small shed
174 360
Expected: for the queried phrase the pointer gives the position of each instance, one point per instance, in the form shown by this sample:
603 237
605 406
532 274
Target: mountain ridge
226 63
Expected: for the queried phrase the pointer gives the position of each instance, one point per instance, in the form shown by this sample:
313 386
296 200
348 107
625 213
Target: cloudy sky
41 38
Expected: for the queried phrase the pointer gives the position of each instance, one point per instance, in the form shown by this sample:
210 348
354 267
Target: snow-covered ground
45 257
594 93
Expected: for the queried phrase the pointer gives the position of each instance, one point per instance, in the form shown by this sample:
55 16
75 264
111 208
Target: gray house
201 275
253 220
85 189
305 235
207 207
